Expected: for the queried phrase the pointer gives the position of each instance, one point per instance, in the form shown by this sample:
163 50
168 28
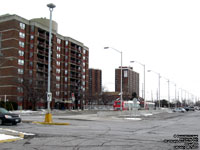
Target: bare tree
104 96
34 91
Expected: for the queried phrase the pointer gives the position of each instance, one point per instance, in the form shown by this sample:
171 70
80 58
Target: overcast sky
162 34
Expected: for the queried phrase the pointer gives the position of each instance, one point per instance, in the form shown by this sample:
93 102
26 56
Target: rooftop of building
125 68
95 69
42 23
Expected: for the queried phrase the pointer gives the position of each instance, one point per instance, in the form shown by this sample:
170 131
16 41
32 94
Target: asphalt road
107 133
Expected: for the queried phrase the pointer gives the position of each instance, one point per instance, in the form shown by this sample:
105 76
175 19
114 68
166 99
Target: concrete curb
50 123
45 123
18 135
10 140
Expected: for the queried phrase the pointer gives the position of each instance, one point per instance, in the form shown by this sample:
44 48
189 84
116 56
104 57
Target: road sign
49 97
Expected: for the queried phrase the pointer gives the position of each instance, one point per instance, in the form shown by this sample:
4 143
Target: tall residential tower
95 83
130 80
24 63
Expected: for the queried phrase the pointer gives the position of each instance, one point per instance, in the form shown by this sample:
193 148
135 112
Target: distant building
24 70
130 80
95 83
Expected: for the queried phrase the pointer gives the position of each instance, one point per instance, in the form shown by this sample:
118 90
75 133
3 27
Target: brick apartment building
95 83
130 81
24 64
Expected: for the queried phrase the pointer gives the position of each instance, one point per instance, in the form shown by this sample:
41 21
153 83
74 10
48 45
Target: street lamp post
168 93
48 117
181 97
121 92
175 94
144 80
185 97
158 85
168 81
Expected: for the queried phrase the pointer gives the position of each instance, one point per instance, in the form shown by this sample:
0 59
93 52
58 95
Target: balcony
73 49
40 69
41 36
41 44
74 76
40 60
41 52
73 55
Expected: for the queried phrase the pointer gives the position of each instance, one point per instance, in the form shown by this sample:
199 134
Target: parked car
189 108
7 117
179 109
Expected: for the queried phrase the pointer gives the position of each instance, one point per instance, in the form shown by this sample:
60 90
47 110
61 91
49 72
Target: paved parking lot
93 131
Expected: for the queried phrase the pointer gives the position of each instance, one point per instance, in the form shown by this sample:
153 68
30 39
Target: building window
58 41
65 79
30 72
58 86
20 90
83 57
30 81
84 51
83 89
20 80
125 74
21 44
83 76
66 57
83 70
31 63
19 98
84 64
65 93
58 48
58 63
57 93
57 78
31 54
20 62
21 53
65 85
66 43
65 72
22 26
66 50
20 71
32 28
65 64
57 70
79 55
83 82
58 56
31 37
31 46
21 35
